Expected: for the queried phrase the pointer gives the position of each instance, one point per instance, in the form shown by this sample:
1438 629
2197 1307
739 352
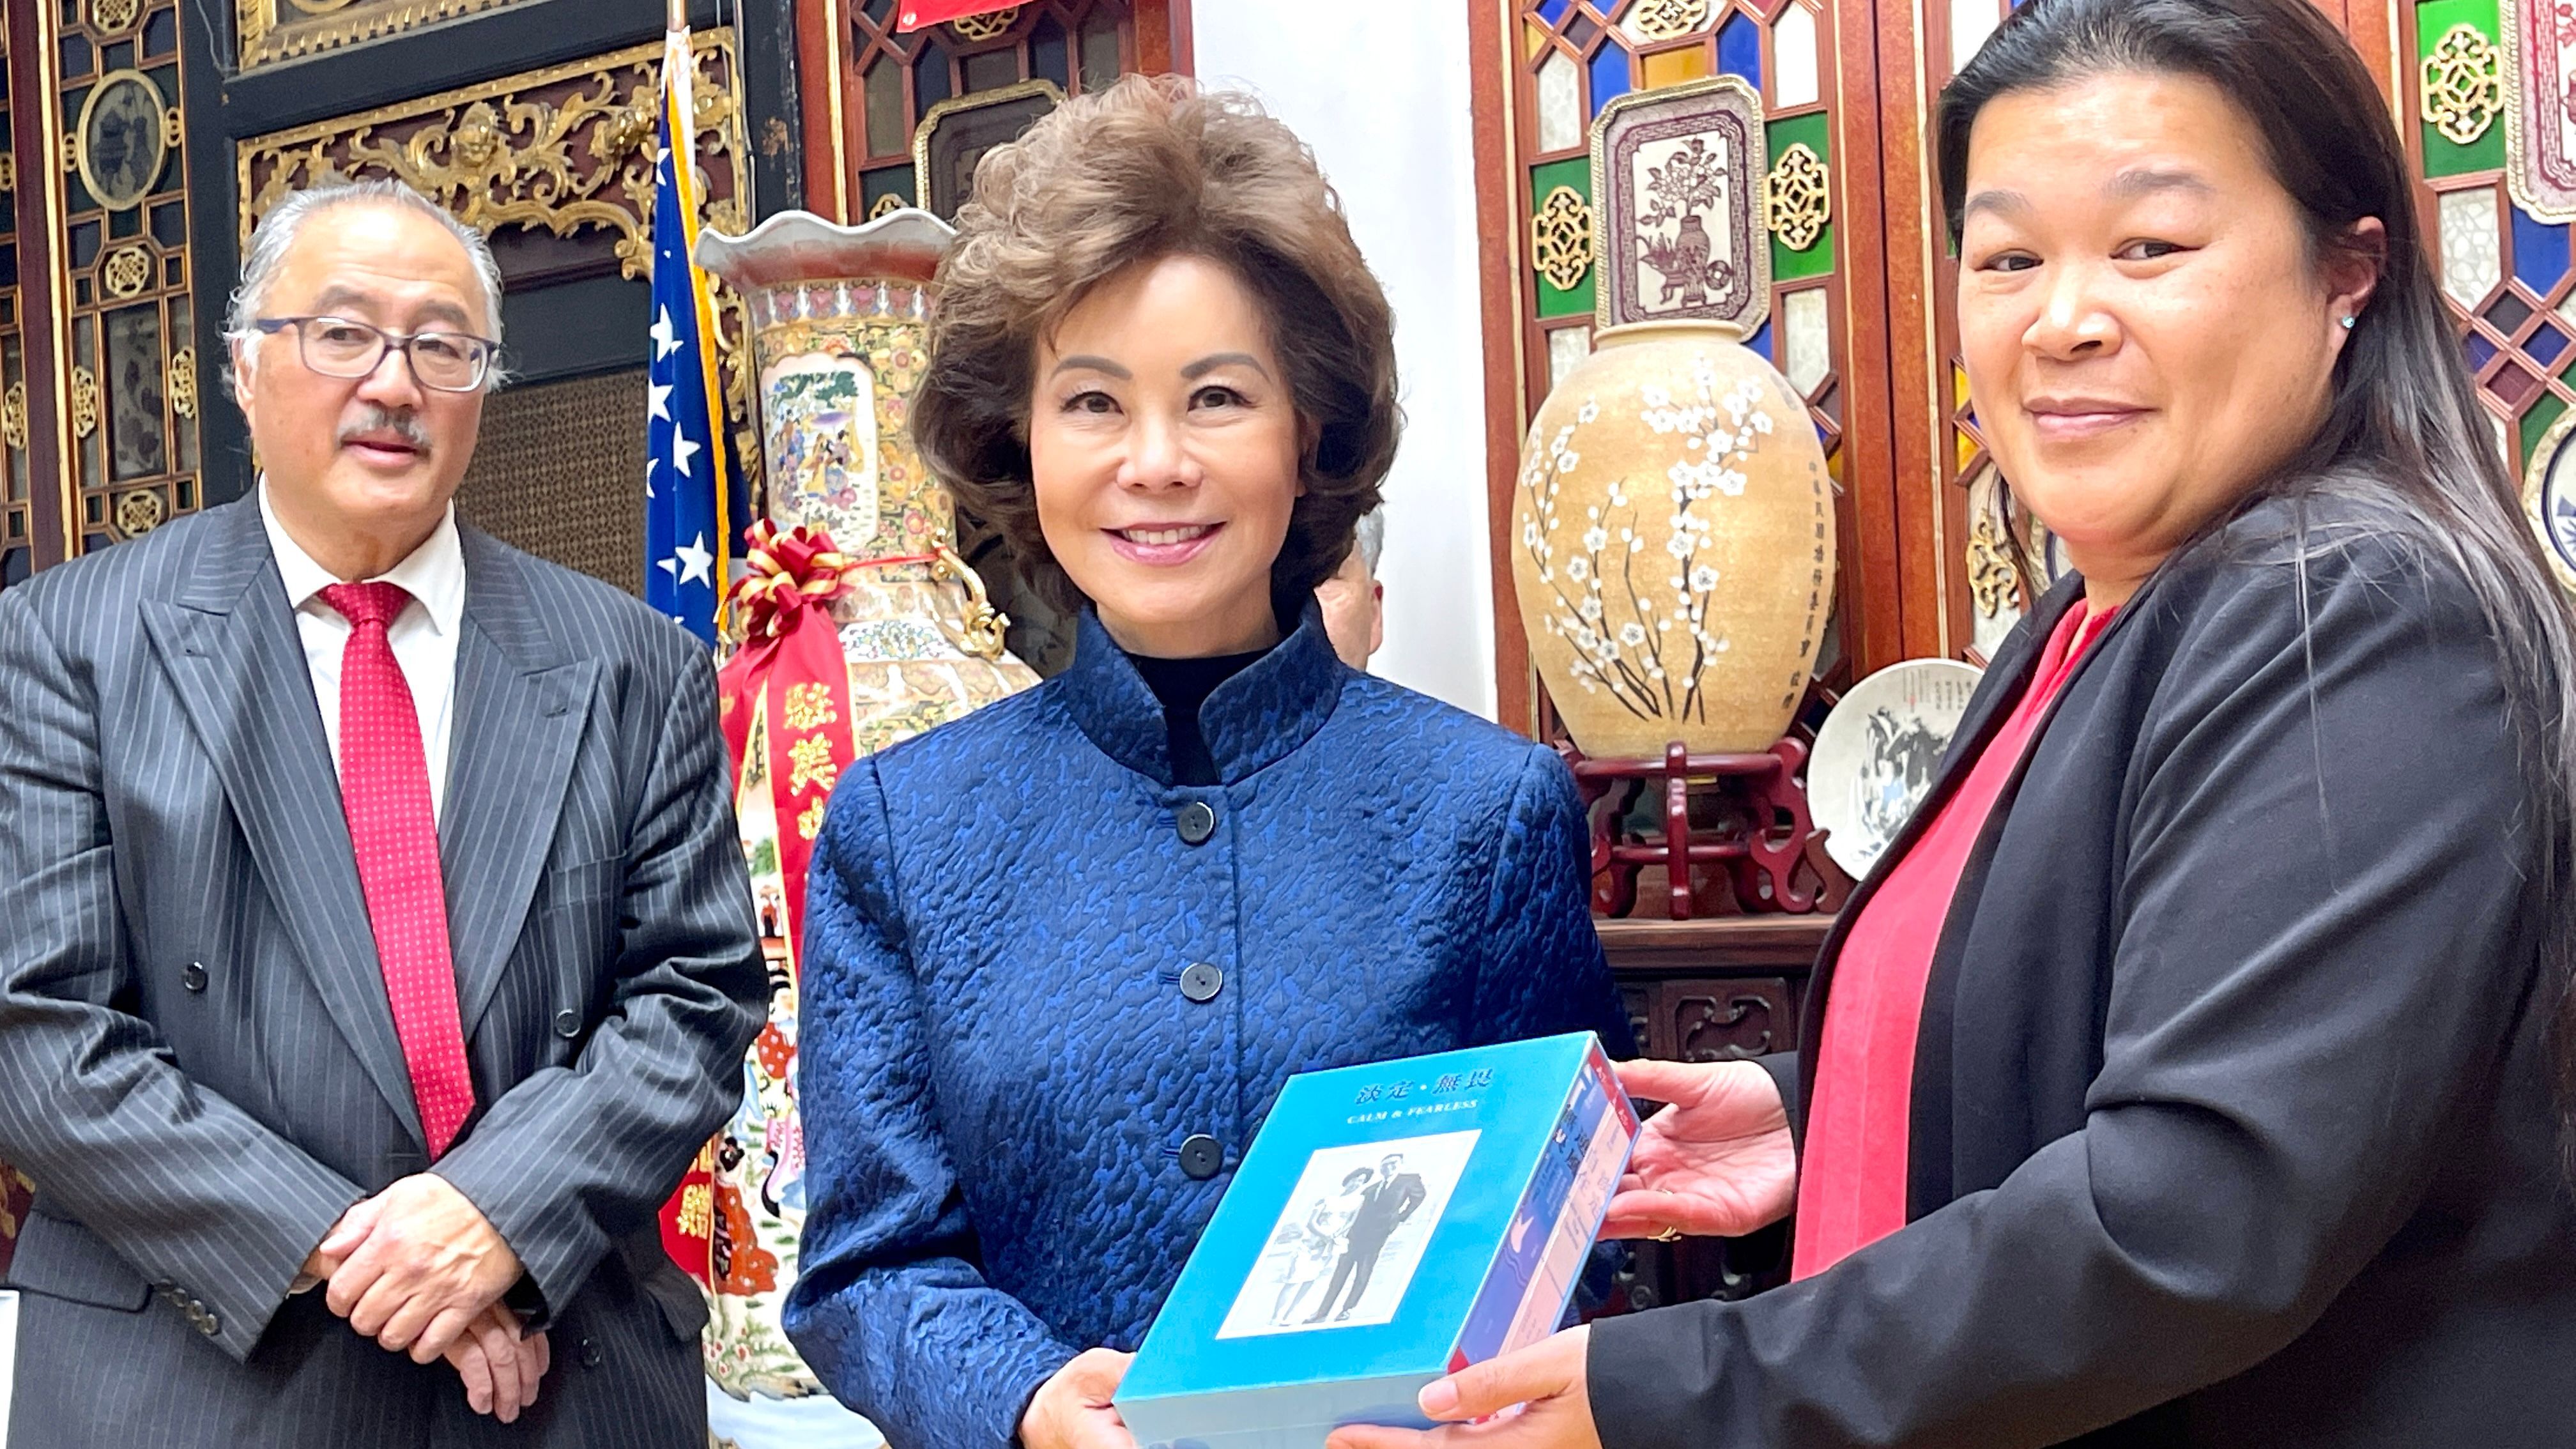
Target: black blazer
2231 1115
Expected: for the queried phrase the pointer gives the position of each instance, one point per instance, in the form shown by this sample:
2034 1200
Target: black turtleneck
1182 685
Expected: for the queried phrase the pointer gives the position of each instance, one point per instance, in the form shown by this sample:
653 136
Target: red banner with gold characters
791 675
16 1193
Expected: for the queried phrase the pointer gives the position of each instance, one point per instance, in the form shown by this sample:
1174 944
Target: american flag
688 494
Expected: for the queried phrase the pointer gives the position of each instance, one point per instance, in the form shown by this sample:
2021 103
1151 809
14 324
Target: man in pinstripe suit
378 949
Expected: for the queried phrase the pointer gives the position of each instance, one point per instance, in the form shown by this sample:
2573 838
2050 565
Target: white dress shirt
423 635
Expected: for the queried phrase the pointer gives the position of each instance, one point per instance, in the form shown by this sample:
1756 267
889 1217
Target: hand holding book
1718 1162
1545 1381
1073 1409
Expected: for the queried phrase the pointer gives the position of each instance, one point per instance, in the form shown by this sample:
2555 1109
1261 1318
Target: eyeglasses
340 347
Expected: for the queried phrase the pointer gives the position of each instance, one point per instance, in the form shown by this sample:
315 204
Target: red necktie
384 790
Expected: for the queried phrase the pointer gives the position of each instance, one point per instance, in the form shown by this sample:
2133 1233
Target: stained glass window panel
2472 252
1050 53
1760 342
1739 49
138 437
1100 54
1793 51
2543 414
1609 74
1806 348
2480 352
990 70
1566 349
2546 344
2539 253
930 75
1560 104
1674 67
1553 11
884 87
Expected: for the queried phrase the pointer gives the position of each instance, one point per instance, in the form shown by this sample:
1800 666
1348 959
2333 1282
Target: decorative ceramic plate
1876 753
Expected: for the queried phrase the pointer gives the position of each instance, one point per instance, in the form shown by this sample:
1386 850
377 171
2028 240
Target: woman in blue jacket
1063 953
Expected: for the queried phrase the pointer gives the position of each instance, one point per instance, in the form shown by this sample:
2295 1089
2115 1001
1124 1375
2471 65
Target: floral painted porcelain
1673 535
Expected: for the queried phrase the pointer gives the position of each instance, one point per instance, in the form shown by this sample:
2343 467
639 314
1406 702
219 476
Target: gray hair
1369 537
278 230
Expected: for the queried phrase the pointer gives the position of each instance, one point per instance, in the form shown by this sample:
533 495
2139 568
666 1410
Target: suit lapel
2006 678
521 705
229 646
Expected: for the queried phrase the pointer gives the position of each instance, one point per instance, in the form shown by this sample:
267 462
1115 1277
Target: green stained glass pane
2433 20
1815 132
1562 242
2537 421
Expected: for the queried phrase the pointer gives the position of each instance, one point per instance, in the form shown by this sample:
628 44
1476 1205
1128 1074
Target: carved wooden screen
1978 596
1963 594
2496 215
17 511
268 31
1568 58
861 130
121 246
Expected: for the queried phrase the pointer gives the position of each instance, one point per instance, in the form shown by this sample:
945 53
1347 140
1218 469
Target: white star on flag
681 451
692 564
659 400
665 342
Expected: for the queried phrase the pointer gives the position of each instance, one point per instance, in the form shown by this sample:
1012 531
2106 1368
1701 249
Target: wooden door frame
1870 556
1164 45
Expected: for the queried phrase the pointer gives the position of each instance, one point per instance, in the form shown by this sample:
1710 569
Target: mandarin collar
1253 720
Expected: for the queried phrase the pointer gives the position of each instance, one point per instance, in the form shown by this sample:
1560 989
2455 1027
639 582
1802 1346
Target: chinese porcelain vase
838 320
1673 544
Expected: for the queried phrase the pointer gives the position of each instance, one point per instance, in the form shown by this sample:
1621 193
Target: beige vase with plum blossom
1673 544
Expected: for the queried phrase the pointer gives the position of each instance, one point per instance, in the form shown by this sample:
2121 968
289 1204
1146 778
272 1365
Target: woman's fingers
1669 1081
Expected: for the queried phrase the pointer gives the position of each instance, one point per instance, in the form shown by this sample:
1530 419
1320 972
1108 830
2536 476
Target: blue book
1392 1224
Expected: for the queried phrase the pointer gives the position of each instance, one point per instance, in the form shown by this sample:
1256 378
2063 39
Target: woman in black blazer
2185 1075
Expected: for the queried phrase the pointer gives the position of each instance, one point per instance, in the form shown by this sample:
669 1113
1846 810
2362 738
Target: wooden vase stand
1736 839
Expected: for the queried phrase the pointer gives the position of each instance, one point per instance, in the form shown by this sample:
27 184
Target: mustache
376 419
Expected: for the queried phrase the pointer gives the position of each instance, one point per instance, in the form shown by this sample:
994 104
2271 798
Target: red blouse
1852 1178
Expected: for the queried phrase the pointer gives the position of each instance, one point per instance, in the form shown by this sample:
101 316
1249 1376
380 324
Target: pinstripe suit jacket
197 1063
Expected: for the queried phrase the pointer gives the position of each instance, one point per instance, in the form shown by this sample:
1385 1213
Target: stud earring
2350 323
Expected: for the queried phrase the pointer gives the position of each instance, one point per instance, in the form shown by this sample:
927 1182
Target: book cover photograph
1391 1223
1354 1228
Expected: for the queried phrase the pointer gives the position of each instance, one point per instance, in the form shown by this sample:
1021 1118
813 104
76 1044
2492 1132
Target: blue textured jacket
1000 1064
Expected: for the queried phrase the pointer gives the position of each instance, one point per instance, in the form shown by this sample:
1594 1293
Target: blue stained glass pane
2539 252
1739 49
1760 342
1609 74
1552 11
2481 351
2545 344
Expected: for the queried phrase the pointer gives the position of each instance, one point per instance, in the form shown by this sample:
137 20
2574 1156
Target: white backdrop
1389 121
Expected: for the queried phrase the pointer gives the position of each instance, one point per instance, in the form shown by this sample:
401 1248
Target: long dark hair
2403 431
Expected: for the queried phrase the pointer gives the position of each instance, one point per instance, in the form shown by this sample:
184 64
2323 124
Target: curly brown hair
1154 167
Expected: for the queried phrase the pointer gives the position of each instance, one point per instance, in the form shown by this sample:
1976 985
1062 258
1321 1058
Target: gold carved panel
569 149
275 30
